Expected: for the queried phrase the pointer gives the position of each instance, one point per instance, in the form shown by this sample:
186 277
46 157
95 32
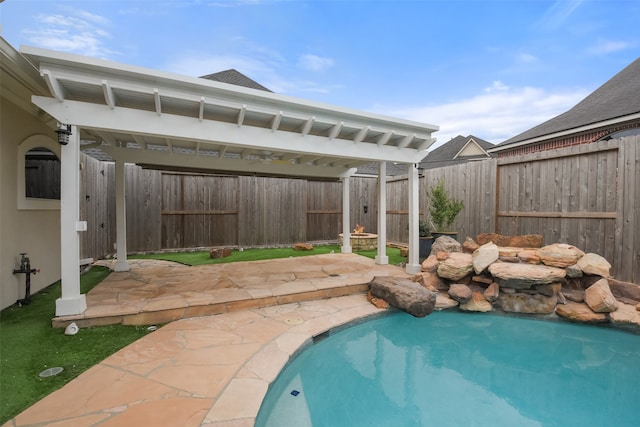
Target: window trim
31 203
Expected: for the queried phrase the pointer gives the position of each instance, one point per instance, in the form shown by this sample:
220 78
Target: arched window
38 174
41 174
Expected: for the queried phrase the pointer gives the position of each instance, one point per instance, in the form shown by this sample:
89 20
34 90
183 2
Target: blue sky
488 68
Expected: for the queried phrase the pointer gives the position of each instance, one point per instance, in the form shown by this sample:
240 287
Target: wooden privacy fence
586 195
169 210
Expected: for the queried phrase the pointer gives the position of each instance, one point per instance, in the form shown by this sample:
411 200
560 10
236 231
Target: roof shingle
235 77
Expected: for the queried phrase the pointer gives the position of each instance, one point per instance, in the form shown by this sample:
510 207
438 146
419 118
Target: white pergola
158 119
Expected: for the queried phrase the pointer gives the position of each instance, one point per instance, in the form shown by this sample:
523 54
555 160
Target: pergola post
346 217
413 263
381 257
121 219
71 300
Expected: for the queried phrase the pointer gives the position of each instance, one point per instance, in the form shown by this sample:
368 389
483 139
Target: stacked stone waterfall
518 275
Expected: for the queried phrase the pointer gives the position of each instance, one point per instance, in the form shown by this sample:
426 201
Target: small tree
442 208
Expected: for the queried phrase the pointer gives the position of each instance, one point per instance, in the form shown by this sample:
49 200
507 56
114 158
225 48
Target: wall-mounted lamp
64 131
363 201
420 170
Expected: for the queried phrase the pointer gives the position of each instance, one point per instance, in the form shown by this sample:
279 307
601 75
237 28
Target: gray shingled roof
392 169
618 97
444 155
235 77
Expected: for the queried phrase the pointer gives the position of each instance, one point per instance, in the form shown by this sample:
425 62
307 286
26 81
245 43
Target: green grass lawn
29 345
202 257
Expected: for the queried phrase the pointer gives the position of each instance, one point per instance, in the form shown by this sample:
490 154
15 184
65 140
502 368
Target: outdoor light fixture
365 206
63 134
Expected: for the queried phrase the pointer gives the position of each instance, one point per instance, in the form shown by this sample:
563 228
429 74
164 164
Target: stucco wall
33 231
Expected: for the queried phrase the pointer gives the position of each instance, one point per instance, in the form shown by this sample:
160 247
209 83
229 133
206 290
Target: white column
413 263
381 257
121 219
346 217
71 301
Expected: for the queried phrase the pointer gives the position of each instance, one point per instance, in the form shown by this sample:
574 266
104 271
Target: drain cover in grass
51 372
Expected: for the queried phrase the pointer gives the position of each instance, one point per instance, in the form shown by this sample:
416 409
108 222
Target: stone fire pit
361 241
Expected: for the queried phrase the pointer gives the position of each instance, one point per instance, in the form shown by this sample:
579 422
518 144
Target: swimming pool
460 369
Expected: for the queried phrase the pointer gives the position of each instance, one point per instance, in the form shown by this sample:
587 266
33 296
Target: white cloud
526 58
558 13
262 71
315 63
497 114
607 46
78 32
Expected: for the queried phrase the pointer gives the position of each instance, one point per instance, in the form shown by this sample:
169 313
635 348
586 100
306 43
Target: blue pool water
455 369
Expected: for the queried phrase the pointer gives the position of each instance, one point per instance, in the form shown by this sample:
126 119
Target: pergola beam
130 121
191 161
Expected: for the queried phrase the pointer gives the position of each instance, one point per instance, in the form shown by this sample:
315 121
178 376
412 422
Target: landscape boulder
460 293
216 253
529 256
492 293
594 264
431 281
527 303
626 314
469 245
446 244
477 302
522 241
456 266
444 301
625 291
523 276
559 255
577 312
430 264
404 294
484 256
599 297
302 247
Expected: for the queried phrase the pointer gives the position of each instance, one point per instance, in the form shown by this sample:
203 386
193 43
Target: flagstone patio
207 370
155 292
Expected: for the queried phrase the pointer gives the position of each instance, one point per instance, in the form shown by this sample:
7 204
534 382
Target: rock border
558 280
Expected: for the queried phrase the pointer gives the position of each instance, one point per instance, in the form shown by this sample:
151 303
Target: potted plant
426 239
443 210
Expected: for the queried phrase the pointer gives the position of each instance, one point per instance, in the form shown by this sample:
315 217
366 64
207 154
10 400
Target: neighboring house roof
460 149
235 77
393 169
615 100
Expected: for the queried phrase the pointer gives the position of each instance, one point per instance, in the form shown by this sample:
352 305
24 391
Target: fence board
324 210
97 207
143 216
